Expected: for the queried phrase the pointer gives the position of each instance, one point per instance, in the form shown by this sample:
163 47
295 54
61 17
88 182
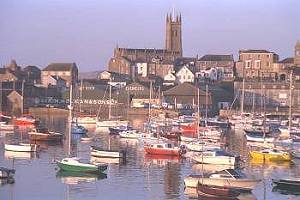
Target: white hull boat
132 134
228 178
216 157
259 139
111 123
102 153
7 127
21 147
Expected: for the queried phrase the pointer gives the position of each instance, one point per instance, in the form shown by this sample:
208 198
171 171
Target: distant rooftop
216 58
287 60
60 67
255 51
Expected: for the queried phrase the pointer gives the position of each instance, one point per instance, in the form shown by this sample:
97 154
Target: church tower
173 33
297 54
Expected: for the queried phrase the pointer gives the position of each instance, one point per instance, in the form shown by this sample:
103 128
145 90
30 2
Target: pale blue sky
37 32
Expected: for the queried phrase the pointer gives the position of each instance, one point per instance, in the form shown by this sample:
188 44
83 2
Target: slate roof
60 67
211 57
184 89
287 60
255 51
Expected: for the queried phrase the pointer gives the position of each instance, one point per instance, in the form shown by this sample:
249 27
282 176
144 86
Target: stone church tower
173 33
297 54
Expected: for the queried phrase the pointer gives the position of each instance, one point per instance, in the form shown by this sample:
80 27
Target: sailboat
76 164
110 122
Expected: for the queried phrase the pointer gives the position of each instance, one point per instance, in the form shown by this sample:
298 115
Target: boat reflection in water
74 178
20 155
96 160
161 160
209 168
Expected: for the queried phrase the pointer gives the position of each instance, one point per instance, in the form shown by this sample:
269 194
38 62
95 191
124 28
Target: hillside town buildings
172 78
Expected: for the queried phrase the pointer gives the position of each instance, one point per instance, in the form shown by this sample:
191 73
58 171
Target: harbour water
140 177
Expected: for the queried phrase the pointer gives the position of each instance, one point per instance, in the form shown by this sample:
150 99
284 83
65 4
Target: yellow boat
270 155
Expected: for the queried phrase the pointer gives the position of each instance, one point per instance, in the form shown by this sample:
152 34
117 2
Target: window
248 64
189 77
257 64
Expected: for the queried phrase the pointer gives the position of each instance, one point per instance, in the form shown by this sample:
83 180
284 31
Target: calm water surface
141 177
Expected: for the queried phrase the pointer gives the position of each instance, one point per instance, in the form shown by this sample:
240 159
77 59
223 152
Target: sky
39 32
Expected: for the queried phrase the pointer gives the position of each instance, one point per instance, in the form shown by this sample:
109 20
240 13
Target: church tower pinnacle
297 54
173 33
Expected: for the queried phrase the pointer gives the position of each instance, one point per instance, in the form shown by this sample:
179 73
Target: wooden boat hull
21 147
240 184
44 136
216 192
157 151
270 157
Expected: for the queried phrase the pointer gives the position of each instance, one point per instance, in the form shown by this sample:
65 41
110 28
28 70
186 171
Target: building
257 64
169 79
66 71
224 64
184 74
124 59
297 54
274 96
32 74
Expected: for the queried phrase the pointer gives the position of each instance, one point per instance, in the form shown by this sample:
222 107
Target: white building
169 79
142 69
184 75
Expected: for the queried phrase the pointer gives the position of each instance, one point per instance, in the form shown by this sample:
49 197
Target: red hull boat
162 149
26 121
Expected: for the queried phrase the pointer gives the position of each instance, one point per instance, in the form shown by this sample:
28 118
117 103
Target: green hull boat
75 165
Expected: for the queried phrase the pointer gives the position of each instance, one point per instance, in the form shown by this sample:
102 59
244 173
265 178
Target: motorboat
228 178
259 138
26 120
218 157
78 129
271 155
4 126
288 183
86 119
111 123
22 147
77 165
6 173
163 149
43 134
130 134
216 192
200 146
106 153
117 129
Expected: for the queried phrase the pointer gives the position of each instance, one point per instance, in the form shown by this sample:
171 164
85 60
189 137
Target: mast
109 106
80 95
22 109
150 98
264 121
198 112
70 120
243 96
253 101
291 101
206 102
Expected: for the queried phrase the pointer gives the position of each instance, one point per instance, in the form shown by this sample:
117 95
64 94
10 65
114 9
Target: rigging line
102 100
